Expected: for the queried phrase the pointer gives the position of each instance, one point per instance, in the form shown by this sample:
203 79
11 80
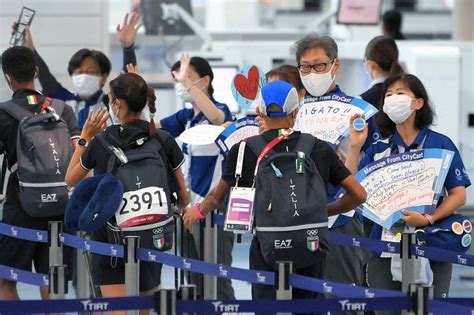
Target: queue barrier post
408 260
210 255
132 268
165 302
57 282
55 228
84 284
420 295
188 293
283 287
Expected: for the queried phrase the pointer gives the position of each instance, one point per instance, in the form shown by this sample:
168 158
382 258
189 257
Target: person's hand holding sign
414 219
357 137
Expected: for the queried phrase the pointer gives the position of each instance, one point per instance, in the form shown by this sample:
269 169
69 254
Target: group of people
125 115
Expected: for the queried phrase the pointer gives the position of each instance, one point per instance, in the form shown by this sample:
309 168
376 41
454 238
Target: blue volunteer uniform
429 139
379 267
201 163
81 107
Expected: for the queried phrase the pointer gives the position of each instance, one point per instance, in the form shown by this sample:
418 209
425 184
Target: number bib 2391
143 206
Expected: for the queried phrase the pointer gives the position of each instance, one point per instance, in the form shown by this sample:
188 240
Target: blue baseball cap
93 202
279 93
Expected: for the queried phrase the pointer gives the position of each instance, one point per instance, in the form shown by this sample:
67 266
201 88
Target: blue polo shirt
204 163
373 135
81 108
426 139
184 119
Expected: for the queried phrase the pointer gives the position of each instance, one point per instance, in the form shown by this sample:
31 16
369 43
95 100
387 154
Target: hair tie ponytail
151 98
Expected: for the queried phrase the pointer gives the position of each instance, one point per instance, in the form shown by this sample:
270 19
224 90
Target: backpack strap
305 144
256 144
19 113
57 105
115 152
15 110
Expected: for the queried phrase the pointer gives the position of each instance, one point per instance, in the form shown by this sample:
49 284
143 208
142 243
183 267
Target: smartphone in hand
25 19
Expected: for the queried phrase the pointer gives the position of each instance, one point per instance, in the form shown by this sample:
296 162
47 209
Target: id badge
239 216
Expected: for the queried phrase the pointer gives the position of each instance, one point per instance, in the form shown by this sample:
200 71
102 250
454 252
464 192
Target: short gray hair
315 41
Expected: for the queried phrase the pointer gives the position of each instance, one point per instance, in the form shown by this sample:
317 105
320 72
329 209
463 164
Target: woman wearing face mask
380 62
193 76
407 115
129 94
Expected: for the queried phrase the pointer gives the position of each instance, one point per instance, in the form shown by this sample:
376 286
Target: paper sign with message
327 117
238 131
246 85
405 181
201 134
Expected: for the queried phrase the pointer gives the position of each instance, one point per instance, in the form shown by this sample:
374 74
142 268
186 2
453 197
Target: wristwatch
82 143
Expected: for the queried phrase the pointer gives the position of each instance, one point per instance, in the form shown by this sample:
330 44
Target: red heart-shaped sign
248 87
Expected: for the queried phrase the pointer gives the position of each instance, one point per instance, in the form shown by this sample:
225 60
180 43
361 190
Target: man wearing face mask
319 66
88 69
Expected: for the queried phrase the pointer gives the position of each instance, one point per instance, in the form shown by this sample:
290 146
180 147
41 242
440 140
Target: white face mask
398 107
85 84
113 116
317 84
183 93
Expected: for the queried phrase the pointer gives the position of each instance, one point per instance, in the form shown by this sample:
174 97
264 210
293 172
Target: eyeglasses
318 67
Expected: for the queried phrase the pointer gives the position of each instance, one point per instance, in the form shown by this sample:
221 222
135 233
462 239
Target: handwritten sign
327 117
238 131
405 181
246 85
201 134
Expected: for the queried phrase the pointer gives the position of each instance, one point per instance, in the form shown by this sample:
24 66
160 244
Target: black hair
392 23
315 41
202 68
384 52
287 73
19 64
424 116
101 59
133 89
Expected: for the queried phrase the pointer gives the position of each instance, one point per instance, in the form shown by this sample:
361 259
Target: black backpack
291 218
43 155
144 173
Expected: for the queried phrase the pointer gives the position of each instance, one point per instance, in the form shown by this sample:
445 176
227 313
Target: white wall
59 29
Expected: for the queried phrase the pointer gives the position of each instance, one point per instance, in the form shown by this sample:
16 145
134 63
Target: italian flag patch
32 99
313 245
159 242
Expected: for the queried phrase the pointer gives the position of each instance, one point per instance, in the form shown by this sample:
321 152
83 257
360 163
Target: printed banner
327 117
238 131
406 181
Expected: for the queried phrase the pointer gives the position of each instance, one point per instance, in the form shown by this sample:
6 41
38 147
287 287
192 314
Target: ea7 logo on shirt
283 244
48 198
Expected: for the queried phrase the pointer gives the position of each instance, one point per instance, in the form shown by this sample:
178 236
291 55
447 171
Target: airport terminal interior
239 39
